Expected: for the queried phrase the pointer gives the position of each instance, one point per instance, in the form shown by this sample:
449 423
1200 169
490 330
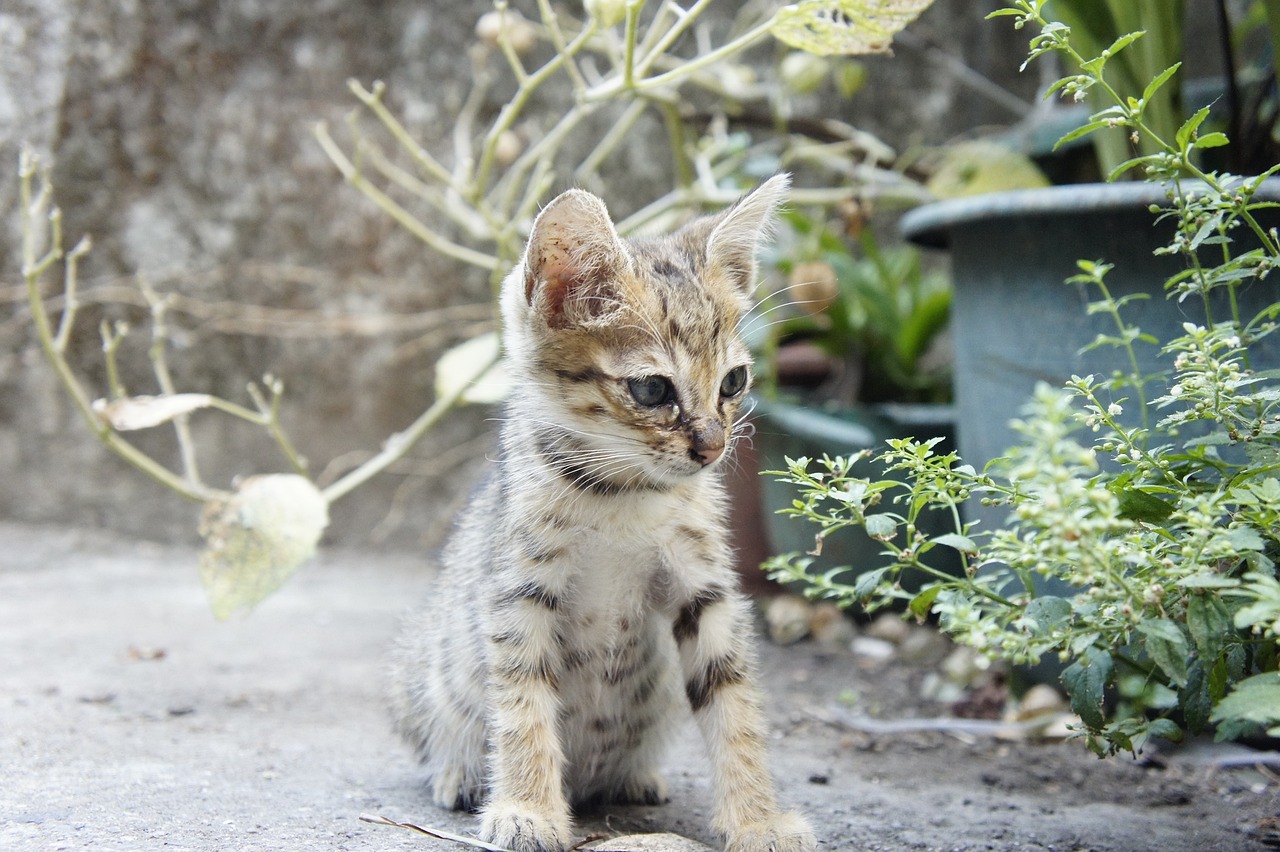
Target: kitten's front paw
644 789
785 832
453 788
520 828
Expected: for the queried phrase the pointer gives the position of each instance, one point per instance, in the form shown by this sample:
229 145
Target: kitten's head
627 351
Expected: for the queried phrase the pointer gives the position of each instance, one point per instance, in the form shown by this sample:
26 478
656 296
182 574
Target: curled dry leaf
258 538
848 27
144 412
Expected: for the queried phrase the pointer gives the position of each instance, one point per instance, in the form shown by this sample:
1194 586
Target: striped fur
588 592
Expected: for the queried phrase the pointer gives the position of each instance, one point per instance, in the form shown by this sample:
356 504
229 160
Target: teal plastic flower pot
1014 320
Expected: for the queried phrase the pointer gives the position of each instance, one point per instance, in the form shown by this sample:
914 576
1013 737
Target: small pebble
1040 700
829 624
923 646
964 666
871 647
889 628
787 618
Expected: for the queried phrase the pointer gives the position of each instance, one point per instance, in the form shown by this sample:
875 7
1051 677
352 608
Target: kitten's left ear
572 261
731 247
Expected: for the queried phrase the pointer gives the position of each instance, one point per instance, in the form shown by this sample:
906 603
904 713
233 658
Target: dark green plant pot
1014 320
794 428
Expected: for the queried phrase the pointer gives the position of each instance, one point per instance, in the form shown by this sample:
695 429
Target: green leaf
867 582
882 526
1081 643
1256 700
1194 698
962 543
1167 645
1080 132
921 603
1219 678
1189 127
1086 680
1166 728
1124 41
1159 80
1127 165
1048 612
1208 581
1139 505
1211 140
1209 622
1245 538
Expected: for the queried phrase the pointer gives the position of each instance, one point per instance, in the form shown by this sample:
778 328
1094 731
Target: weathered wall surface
180 133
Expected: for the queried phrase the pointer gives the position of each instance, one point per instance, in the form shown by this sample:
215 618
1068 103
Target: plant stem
70 292
406 219
512 109
373 100
400 443
270 418
164 380
629 46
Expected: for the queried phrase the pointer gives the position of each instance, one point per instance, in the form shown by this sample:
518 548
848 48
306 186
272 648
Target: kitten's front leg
527 810
711 631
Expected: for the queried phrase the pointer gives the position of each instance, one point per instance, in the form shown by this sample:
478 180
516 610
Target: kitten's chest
648 550
614 579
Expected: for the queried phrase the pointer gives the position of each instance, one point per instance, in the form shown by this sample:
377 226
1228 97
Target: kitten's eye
734 381
651 391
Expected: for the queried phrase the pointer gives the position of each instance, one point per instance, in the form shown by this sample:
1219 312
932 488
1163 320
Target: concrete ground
130 719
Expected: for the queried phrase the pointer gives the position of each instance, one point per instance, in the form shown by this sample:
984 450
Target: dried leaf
144 412
848 27
258 538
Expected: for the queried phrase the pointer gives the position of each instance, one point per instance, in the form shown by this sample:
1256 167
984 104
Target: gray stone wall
180 137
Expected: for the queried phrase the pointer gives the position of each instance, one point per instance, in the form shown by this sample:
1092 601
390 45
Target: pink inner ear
556 290
559 278
550 265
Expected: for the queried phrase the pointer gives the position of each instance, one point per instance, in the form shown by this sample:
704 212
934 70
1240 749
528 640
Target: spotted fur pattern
588 592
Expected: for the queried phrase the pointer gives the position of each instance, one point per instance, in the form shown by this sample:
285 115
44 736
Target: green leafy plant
874 311
1243 94
1142 557
1095 25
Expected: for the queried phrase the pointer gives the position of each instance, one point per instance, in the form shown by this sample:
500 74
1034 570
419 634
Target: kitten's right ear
731 246
573 260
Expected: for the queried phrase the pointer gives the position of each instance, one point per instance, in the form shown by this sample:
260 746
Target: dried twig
438 834
38 206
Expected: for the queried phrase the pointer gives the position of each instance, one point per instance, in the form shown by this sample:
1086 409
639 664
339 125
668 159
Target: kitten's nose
709 454
708 443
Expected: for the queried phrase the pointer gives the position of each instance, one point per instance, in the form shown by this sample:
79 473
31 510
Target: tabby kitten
588 589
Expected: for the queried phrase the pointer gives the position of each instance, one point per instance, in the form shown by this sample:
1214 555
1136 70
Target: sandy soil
130 719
